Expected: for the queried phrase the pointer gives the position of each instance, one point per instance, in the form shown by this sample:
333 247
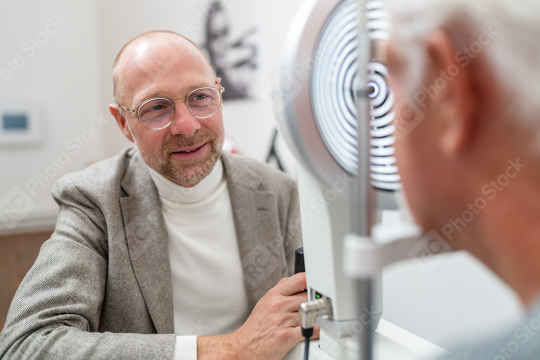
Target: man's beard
189 172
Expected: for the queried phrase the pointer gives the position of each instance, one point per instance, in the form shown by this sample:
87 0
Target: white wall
69 78
454 299
49 59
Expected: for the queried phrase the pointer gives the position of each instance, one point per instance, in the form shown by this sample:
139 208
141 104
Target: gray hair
506 33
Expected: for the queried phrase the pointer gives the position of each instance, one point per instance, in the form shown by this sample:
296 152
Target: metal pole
363 193
365 302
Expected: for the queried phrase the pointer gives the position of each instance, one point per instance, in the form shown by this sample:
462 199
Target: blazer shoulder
243 166
101 177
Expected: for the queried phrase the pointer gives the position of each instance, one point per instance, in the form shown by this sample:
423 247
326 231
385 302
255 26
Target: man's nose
184 123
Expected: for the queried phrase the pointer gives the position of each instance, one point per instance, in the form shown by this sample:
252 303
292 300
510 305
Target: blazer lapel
257 229
147 244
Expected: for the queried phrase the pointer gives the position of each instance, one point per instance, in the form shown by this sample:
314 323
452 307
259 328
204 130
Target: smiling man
150 74
172 249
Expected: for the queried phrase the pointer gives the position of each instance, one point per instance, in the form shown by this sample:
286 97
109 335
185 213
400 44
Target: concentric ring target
334 63
384 172
334 86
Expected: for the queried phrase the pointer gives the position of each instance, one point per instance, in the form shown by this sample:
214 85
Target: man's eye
155 108
200 96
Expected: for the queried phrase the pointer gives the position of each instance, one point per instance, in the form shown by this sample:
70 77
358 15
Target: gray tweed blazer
101 286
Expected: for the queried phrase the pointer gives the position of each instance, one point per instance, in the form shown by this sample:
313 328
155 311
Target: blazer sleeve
55 313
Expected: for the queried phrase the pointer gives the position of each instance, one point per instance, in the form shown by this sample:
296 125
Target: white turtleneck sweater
209 296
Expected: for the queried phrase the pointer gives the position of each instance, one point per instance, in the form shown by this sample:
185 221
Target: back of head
503 32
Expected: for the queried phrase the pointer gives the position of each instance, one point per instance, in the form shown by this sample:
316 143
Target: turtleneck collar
177 194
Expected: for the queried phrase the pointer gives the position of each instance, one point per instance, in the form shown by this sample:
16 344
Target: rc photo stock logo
424 251
18 202
409 116
29 49
283 92
15 206
283 88
437 242
409 111
523 334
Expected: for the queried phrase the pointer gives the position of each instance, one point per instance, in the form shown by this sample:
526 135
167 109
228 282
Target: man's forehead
158 58
160 49
140 51
165 50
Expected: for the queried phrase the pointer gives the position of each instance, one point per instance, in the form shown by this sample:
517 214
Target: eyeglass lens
157 113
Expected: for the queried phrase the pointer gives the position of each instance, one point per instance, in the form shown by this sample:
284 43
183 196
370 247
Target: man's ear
121 121
455 93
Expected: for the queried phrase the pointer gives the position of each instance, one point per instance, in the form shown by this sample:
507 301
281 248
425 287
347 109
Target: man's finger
292 285
316 332
294 301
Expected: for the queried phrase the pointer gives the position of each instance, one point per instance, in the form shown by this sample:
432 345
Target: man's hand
270 332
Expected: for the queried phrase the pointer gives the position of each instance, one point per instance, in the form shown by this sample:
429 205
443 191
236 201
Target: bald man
172 249
464 74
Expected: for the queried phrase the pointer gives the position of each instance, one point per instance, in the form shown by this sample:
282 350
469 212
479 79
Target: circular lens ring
169 115
218 93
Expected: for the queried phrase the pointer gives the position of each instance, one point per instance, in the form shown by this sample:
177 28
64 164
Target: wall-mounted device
20 126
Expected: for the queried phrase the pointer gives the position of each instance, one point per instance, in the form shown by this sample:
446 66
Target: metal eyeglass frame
135 110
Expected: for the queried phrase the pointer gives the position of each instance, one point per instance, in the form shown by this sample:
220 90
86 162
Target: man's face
186 151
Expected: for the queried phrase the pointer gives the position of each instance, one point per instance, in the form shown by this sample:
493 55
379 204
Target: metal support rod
363 193
364 294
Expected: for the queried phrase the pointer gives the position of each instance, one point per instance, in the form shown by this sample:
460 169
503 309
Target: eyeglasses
158 113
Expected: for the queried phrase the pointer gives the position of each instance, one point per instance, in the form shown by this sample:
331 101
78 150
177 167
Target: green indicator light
318 296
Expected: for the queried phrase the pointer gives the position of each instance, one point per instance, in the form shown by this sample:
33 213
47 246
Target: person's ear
121 121
218 80
455 93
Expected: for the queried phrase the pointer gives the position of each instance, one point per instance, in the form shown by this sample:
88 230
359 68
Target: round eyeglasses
158 113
